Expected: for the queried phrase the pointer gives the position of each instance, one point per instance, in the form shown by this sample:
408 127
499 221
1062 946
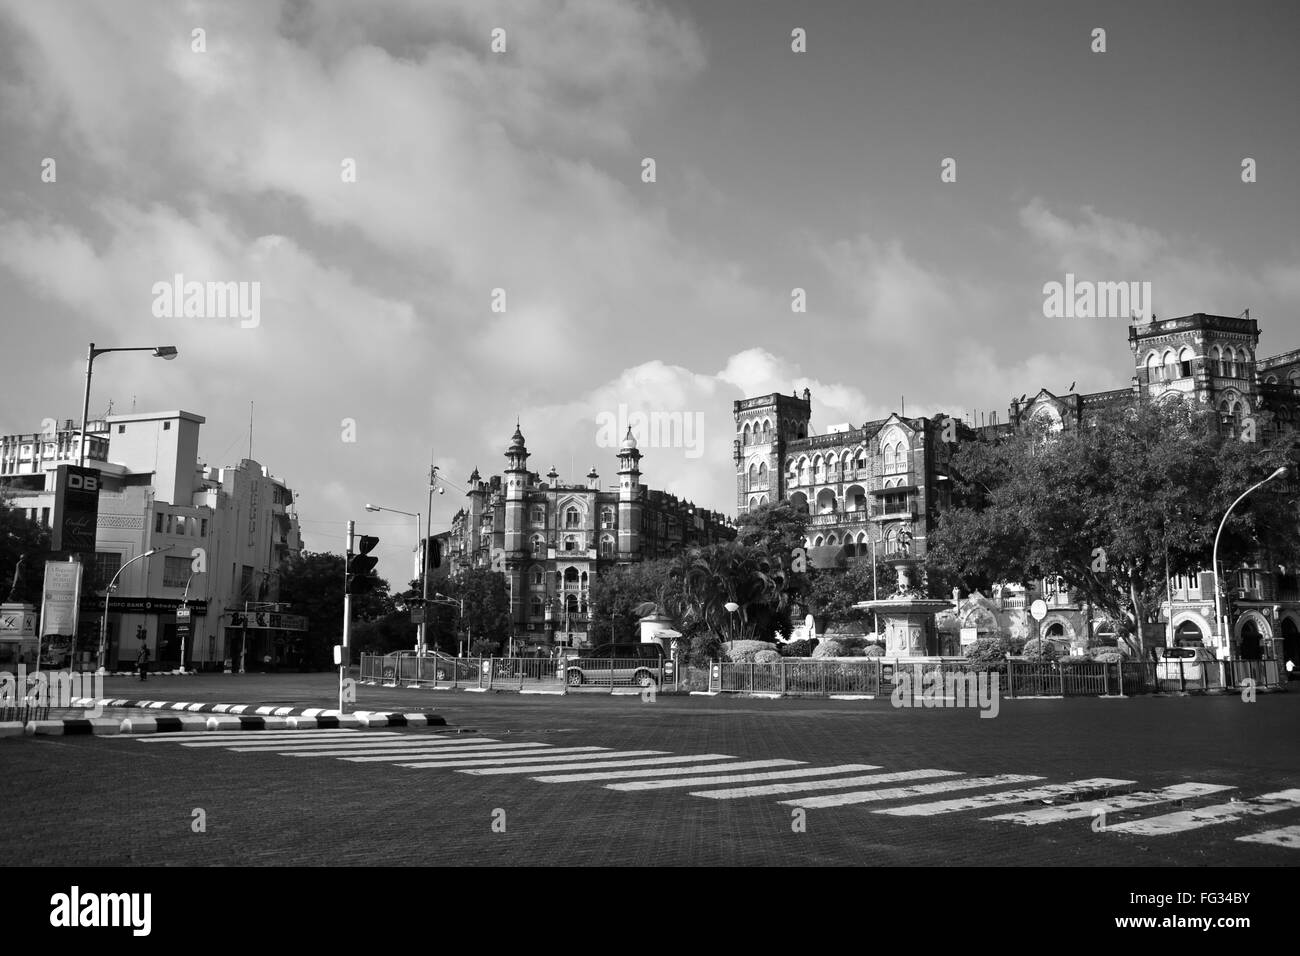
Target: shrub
829 649
873 650
766 657
1105 655
704 647
1043 650
744 651
800 648
990 653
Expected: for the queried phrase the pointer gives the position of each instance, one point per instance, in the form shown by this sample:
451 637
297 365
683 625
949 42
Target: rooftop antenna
250 430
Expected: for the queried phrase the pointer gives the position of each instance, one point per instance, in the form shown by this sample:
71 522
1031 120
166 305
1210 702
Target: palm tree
736 575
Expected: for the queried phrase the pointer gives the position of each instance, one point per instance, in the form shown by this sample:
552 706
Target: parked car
642 665
1191 665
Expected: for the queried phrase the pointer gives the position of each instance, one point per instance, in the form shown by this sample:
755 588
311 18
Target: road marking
670 772
305 746
642 762
449 752
205 741
842 783
743 777
1006 796
1184 820
1127 801
1288 837
902 793
212 736
482 755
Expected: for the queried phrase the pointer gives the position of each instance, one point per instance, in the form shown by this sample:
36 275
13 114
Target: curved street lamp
424 589
1218 589
112 586
167 352
185 602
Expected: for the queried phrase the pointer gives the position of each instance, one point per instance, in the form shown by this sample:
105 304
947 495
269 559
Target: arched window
753 503
571 604
1216 361
762 474
1185 357
539 514
607 517
570 577
572 517
753 476
831 540
606 546
535 606
819 469
1171 365
767 430
817 542
539 545
832 466
1293 379
1230 363
744 438
803 471
891 540
571 542
762 500
1153 367
537 577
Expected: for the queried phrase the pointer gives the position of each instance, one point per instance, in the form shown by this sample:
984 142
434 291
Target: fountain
909 616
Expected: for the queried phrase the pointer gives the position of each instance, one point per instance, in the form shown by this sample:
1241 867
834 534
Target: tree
486 619
624 594
1103 505
742 574
312 584
19 536
777 526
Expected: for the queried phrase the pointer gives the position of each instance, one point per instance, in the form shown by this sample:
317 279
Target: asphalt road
82 801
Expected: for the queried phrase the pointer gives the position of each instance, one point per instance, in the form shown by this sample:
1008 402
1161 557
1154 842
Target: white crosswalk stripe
216 737
374 749
551 757
900 793
840 783
1185 820
1046 792
481 754
203 741
669 772
743 777
340 746
1128 801
649 761
1288 837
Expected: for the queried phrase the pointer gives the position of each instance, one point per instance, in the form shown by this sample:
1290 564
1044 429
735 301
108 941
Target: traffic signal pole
347 617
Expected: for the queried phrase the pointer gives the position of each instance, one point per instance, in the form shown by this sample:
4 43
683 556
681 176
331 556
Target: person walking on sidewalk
142 662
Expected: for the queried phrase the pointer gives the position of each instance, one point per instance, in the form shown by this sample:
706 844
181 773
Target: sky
445 237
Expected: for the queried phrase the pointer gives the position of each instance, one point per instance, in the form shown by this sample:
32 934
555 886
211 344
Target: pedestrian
142 662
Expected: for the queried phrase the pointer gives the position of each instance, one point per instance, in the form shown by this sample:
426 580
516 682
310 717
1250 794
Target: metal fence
555 675
875 676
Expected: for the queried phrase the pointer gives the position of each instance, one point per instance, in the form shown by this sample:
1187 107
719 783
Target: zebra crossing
1027 799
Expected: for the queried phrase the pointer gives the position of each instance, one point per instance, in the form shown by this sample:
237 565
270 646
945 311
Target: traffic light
361 566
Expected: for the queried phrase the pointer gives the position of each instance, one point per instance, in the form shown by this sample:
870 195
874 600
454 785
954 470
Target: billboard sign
60 596
76 509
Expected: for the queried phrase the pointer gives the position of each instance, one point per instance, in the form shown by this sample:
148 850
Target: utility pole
347 618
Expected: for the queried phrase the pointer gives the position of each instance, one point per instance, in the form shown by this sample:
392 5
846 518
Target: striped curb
108 726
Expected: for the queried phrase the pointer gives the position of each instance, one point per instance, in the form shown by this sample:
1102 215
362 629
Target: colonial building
881 485
551 538
237 520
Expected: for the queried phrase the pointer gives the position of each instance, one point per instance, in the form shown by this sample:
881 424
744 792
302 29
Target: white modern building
235 523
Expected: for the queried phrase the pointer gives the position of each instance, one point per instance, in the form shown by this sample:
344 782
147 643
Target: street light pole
420 641
112 586
1218 590
185 602
167 352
